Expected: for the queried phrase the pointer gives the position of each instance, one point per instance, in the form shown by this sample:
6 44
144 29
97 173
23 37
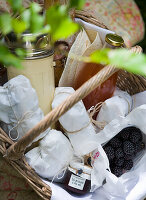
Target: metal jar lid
114 40
39 47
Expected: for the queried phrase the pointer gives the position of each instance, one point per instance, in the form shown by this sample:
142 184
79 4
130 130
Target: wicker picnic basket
14 152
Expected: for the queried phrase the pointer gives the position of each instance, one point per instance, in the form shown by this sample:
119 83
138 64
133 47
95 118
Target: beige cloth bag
86 42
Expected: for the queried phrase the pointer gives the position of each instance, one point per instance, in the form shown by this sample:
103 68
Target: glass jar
78 178
38 65
88 70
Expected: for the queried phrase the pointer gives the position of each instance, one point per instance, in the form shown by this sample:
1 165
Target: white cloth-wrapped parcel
76 123
139 99
19 108
117 106
52 155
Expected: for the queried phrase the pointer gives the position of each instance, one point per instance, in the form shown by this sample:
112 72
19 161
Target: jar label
77 182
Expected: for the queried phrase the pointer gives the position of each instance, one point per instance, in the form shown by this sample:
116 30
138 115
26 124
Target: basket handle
17 150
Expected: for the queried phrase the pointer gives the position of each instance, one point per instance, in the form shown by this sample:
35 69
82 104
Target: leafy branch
56 22
59 25
121 58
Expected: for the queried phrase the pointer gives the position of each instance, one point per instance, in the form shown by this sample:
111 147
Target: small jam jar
78 178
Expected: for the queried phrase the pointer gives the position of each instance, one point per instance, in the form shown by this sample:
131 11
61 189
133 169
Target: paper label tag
77 182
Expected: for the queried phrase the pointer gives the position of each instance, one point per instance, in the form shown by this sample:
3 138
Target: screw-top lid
36 45
81 166
114 40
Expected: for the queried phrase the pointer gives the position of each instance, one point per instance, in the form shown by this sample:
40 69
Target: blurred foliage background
142 6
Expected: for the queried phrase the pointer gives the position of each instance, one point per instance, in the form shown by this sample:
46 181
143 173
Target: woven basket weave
14 152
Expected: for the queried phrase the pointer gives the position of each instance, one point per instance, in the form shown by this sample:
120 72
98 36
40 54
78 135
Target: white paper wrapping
76 123
102 32
139 99
117 106
19 108
133 178
100 167
52 156
135 190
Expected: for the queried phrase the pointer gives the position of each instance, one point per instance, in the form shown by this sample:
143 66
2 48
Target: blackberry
124 134
115 142
119 162
119 153
128 147
117 171
109 152
128 164
135 136
128 156
139 146
112 164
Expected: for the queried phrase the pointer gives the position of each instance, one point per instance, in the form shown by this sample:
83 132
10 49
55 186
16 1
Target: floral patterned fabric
120 16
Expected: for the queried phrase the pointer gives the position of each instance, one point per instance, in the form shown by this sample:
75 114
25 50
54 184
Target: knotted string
65 169
59 172
8 90
92 111
24 117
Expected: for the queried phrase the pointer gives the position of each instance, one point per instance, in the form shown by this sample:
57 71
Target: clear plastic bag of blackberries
123 141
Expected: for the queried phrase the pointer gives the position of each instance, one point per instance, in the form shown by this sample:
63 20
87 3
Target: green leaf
18 25
32 18
35 8
8 59
36 21
55 15
132 62
5 23
121 58
16 5
25 16
100 56
46 29
66 28
21 53
61 26
78 4
36 24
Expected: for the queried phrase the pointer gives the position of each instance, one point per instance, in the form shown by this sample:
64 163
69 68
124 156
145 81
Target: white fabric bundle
139 99
117 106
19 108
52 156
131 179
76 123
